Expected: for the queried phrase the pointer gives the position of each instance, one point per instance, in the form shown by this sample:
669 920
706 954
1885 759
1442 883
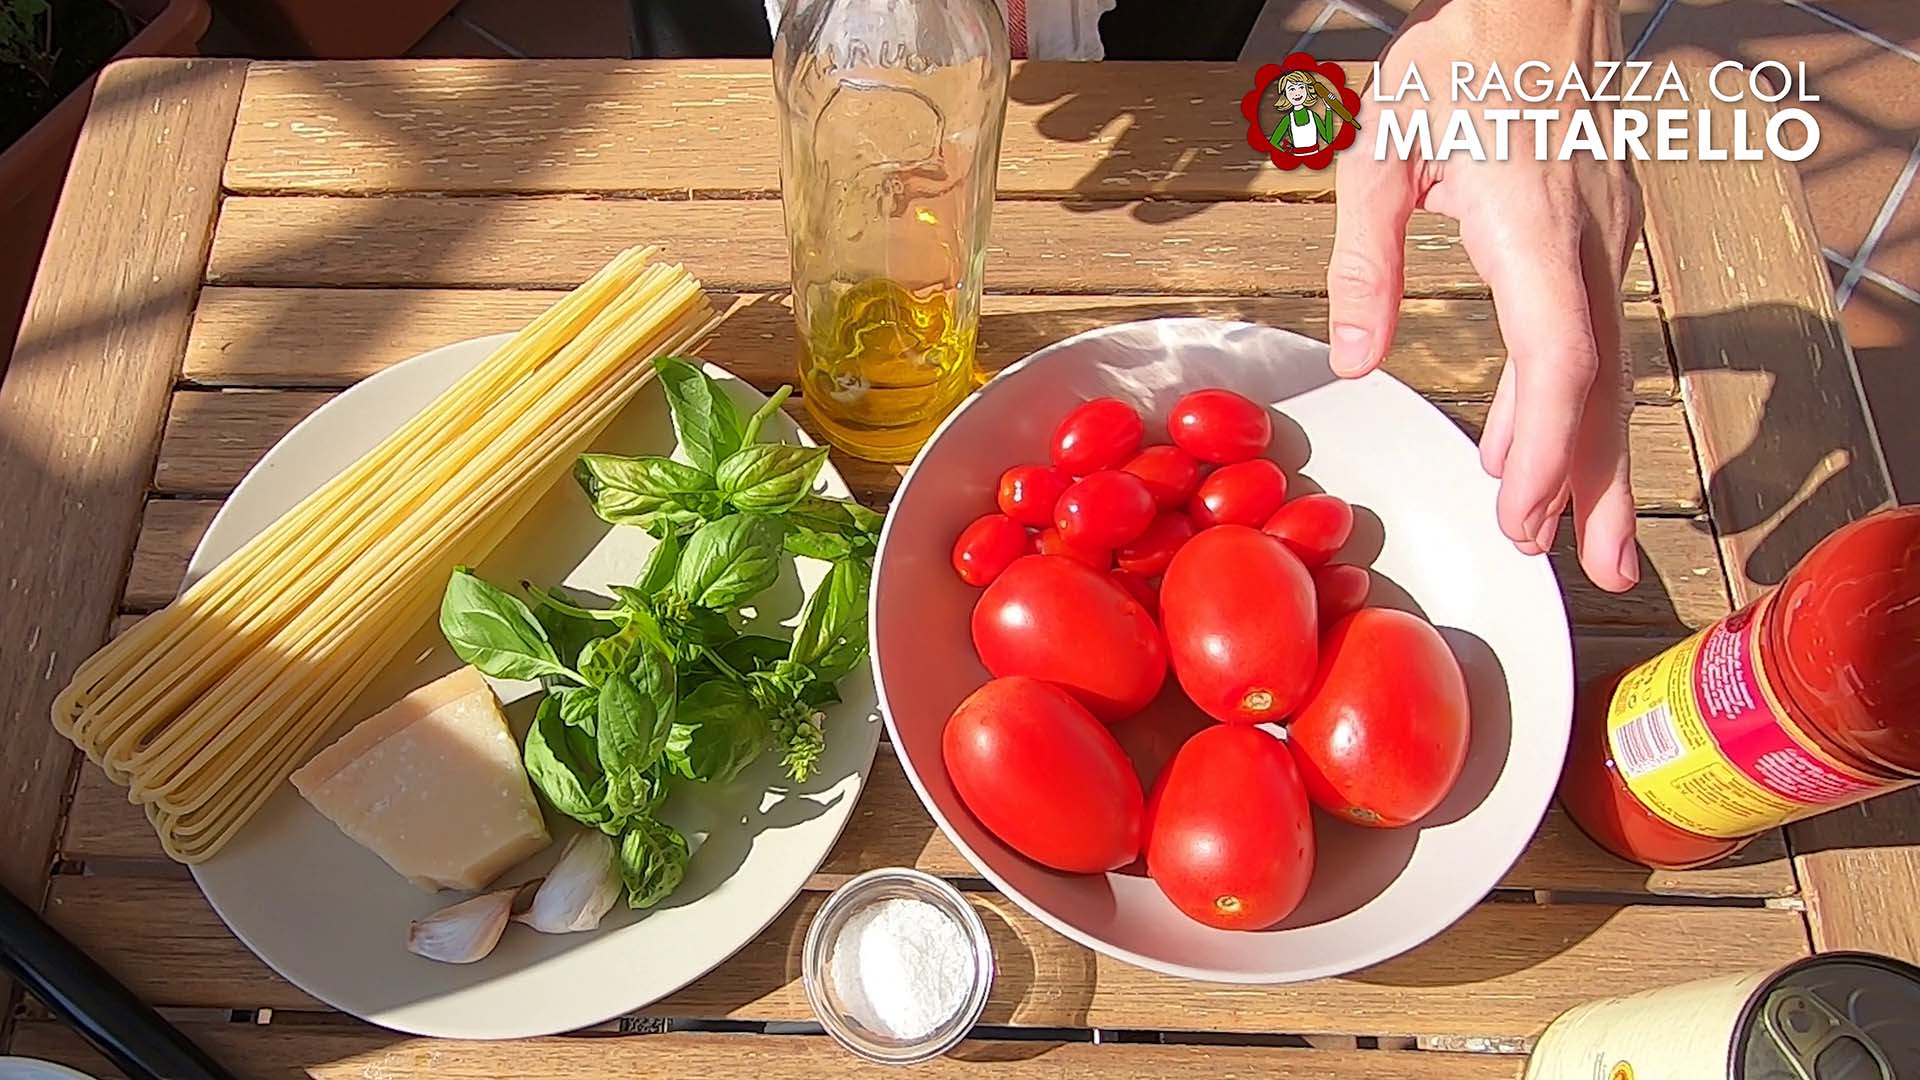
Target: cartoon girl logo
1302 128
1316 111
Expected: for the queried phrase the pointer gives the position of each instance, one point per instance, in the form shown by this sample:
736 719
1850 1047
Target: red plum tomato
1060 620
1238 611
1220 426
1340 590
1383 733
1246 493
1101 434
1229 838
1028 492
1150 552
986 547
1314 526
1169 472
1103 510
1050 542
1035 767
1140 588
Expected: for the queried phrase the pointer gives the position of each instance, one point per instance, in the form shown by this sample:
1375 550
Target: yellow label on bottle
1702 741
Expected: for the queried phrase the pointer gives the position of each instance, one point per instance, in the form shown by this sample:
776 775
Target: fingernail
1630 562
1543 539
1531 525
1352 348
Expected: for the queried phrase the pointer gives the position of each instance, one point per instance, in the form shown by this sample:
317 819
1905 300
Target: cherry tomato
1220 426
1169 472
986 547
1340 590
1104 510
1151 551
1057 619
1044 776
1140 588
1246 493
1102 434
1383 733
1229 837
1238 611
1049 542
1028 492
1314 526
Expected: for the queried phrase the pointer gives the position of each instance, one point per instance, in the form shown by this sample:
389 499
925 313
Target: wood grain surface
80 408
1238 248
710 127
214 437
1504 970
318 337
288 1049
1790 454
890 828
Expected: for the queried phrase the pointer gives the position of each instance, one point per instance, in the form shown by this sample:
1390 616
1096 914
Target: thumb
1367 272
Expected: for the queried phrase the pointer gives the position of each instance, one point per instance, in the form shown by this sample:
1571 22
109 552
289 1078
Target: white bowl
1425 525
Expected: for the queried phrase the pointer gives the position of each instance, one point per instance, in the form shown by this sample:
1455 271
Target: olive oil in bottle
891 112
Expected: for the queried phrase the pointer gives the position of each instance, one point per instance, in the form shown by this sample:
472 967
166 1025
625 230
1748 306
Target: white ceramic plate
332 917
19 1068
1422 501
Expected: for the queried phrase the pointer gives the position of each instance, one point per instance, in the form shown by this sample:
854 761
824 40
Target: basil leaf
633 794
567 631
632 728
494 631
727 562
769 477
752 652
580 707
653 860
646 491
657 574
725 731
831 529
832 636
569 784
675 755
703 416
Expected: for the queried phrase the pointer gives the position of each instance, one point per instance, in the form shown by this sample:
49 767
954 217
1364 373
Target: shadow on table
1159 140
1045 981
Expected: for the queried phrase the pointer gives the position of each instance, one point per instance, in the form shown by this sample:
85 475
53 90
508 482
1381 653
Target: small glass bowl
855 896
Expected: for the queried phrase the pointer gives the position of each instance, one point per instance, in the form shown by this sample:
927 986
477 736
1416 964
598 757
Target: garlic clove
467 931
580 889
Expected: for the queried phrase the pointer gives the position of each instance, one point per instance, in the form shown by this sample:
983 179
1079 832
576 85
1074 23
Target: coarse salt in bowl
897 966
1424 525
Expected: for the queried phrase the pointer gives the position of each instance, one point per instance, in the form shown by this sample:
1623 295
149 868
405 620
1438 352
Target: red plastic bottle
1805 700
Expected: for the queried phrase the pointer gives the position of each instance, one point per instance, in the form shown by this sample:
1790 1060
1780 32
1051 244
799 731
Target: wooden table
239 241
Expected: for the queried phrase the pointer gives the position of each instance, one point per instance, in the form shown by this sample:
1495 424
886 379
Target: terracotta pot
33 168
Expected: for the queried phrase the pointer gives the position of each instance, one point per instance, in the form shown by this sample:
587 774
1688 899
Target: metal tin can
1837 1016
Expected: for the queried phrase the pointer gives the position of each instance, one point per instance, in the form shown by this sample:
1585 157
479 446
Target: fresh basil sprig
656 682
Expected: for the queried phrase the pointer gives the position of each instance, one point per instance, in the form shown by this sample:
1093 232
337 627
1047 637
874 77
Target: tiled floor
1862 58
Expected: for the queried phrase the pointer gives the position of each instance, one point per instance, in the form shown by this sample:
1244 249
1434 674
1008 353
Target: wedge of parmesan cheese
433 784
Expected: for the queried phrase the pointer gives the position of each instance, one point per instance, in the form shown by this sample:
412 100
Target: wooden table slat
1503 971
290 1050
1046 247
80 408
318 337
1790 453
677 128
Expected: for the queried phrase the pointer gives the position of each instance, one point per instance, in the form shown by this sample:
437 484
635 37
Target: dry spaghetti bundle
205 707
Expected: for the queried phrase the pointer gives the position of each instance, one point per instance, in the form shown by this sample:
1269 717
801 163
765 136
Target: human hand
1551 239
